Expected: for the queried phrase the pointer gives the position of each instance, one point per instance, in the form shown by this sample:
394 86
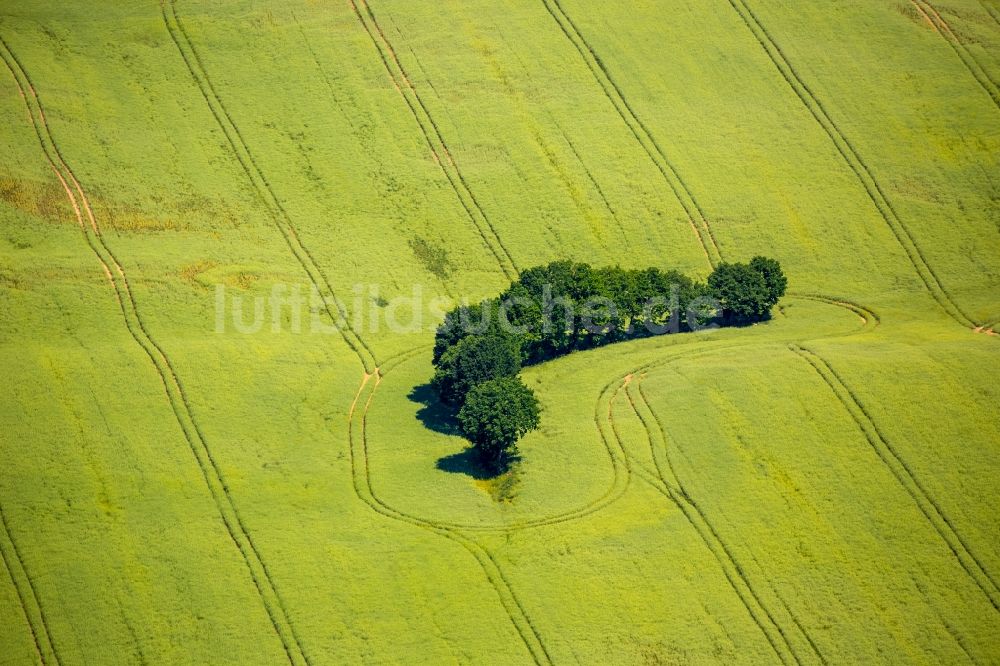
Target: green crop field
181 485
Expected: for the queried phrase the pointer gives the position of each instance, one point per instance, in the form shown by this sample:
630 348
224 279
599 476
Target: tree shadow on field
465 462
433 413
437 416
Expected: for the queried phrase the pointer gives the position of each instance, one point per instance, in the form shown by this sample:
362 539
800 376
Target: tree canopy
496 414
747 292
566 306
474 360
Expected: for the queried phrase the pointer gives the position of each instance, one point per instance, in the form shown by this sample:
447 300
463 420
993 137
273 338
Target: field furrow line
856 164
903 473
362 482
370 364
332 305
434 138
994 14
341 108
671 486
536 92
941 27
179 403
597 187
673 489
27 596
620 465
695 213
791 614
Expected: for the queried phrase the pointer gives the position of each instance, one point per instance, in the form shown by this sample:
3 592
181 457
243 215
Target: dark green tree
495 416
741 292
465 321
472 361
774 278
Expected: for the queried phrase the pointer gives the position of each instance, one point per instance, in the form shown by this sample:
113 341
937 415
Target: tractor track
899 468
593 181
941 27
27 596
177 398
619 484
340 107
332 305
431 132
624 467
362 483
533 88
621 463
695 214
674 490
369 362
992 12
856 164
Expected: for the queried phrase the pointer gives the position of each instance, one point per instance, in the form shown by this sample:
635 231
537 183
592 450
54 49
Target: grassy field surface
820 488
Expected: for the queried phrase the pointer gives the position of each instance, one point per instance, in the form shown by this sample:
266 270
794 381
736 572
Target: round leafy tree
774 278
741 291
496 415
472 361
462 322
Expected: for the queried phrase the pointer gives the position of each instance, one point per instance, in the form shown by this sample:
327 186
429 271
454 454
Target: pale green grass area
853 522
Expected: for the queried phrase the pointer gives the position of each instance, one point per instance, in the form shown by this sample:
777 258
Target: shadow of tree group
436 416
432 413
465 462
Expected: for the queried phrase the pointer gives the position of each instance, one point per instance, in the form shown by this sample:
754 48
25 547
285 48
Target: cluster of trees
552 310
478 377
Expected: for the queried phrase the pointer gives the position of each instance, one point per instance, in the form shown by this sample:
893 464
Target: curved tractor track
176 396
673 488
621 471
27 595
695 213
433 137
361 474
624 467
787 642
372 370
941 27
856 164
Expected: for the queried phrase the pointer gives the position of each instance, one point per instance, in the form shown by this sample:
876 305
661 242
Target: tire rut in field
669 484
903 473
673 490
362 483
177 398
27 596
941 27
365 355
363 140
621 473
434 139
855 162
597 186
334 308
993 13
695 214
533 90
